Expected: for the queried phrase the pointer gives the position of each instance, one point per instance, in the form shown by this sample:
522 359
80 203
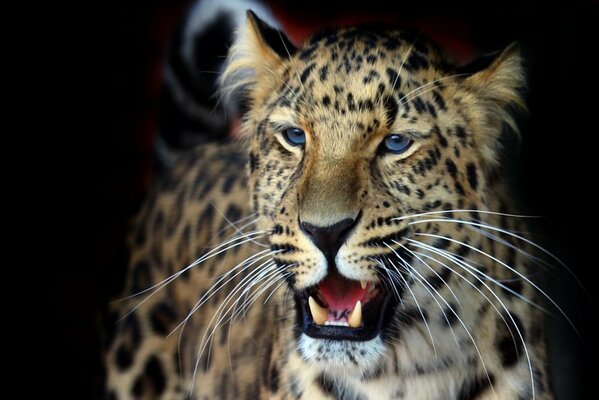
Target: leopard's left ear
494 86
497 78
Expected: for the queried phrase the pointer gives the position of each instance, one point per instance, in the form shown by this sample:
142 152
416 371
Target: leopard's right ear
257 51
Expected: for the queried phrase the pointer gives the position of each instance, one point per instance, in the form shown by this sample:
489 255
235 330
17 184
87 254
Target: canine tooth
363 284
319 314
355 318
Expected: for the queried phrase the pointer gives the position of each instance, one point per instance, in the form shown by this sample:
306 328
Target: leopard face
360 143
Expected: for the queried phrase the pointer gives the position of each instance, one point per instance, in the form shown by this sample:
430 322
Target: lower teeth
336 323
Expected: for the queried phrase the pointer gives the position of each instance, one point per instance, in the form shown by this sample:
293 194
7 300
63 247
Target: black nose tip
329 238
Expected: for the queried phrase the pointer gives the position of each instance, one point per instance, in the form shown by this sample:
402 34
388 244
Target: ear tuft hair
498 83
257 51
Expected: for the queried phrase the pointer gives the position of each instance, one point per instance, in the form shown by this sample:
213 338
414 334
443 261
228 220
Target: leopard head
351 138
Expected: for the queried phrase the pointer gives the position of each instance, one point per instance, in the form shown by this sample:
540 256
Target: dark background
115 51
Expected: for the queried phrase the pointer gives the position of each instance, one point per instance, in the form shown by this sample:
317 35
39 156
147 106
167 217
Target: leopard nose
329 238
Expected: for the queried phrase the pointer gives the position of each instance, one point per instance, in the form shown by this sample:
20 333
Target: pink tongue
340 293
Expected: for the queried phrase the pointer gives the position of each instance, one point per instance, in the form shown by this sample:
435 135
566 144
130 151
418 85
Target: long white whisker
462 264
244 265
422 280
271 280
453 259
234 223
506 232
278 286
421 87
411 216
160 285
415 300
534 285
218 315
268 276
493 280
429 267
193 264
402 64
393 287
289 54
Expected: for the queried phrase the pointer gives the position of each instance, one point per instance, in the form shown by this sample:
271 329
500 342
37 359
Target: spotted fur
465 328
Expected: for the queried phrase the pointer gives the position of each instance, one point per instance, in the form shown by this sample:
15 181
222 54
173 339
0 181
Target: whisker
411 216
506 232
160 285
402 64
489 278
429 267
252 215
394 289
461 263
428 84
219 312
534 285
268 277
439 252
289 54
211 291
420 280
416 301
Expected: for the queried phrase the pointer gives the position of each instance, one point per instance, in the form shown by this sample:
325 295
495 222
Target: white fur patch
342 357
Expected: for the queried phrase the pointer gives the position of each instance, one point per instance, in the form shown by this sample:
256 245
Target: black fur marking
162 318
451 317
431 109
509 348
394 78
370 76
152 382
459 188
327 385
438 99
273 378
253 160
472 176
306 72
416 61
391 109
351 105
442 139
419 105
375 374
475 389
451 168
461 132
124 358
326 101
228 183
141 276
437 280
324 73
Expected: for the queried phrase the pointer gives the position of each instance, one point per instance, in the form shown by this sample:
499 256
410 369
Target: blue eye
396 144
294 136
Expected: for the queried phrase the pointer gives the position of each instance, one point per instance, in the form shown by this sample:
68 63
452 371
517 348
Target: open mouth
342 309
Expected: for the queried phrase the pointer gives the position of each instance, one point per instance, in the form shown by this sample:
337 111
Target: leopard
358 240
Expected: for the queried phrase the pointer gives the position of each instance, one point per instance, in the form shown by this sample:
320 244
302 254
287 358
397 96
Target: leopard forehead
358 81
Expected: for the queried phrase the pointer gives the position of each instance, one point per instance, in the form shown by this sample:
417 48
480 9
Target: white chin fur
343 356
